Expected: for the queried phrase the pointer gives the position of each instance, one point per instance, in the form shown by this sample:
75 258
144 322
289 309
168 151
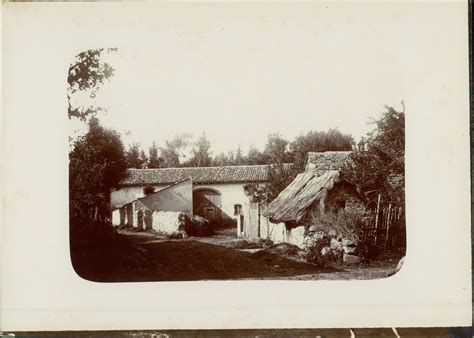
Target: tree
280 172
220 160
135 156
257 193
230 158
153 160
280 175
88 72
276 149
331 140
239 158
143 159
172 152
200 153
96 165
378 162
255 156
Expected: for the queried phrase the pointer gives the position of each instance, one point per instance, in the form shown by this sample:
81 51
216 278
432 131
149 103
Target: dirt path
216 257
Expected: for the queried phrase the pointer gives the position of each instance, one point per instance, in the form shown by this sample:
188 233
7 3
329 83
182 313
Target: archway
207 203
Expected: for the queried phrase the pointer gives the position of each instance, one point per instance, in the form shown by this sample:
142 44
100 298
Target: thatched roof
290 205
319 162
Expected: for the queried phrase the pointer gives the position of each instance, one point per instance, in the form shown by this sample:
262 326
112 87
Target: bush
314 246
198 226
91 234
344 224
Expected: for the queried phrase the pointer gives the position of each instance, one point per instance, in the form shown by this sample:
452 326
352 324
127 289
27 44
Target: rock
349 249
351 259
325 250
335 244
347 242
284 249
400 264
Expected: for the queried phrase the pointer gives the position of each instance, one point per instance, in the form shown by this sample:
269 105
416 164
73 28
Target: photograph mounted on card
235 165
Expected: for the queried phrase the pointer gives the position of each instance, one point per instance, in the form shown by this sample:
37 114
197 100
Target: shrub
314 246
198 226
148 190
344 224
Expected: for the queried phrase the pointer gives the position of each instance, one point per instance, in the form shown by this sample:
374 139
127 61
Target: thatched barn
313 200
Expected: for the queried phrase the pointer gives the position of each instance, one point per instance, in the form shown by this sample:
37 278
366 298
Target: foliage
255 157
257 193
276 149
143 160
172 152
221 160
279 176
331 140
154 161
87 72
239 158
378 163
277 156
201 156
148 190
96 165
314 247
346 224
197 226
135 157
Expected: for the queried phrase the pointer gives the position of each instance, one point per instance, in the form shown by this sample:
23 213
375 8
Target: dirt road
146 257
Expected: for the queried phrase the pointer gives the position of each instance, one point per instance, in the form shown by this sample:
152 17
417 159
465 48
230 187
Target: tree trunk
258 219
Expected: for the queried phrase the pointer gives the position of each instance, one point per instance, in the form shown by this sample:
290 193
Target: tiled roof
327 160
200 175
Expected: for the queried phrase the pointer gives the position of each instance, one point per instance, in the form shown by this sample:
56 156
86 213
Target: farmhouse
307 203
216 193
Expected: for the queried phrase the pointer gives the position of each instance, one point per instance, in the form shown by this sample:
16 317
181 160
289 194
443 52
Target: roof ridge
221 166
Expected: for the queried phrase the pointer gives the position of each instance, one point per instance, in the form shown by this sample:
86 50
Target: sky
240 78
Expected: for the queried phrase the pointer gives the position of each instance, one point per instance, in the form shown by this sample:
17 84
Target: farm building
143 212
307 202
216 193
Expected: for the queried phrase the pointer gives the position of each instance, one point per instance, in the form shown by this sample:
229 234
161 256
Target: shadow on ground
137 258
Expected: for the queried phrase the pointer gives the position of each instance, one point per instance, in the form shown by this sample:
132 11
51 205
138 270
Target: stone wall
168 222
344 196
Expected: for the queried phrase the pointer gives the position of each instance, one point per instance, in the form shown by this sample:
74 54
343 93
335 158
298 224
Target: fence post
388 225
377 219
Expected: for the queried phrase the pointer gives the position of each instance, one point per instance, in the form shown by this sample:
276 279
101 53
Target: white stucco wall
278 232
231 193
128 194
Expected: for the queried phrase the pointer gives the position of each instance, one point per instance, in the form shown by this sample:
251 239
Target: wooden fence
385 227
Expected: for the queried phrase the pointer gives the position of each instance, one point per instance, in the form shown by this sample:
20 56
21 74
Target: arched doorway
207 203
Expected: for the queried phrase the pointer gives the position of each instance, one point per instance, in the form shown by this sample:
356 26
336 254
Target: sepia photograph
186 164
230 166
